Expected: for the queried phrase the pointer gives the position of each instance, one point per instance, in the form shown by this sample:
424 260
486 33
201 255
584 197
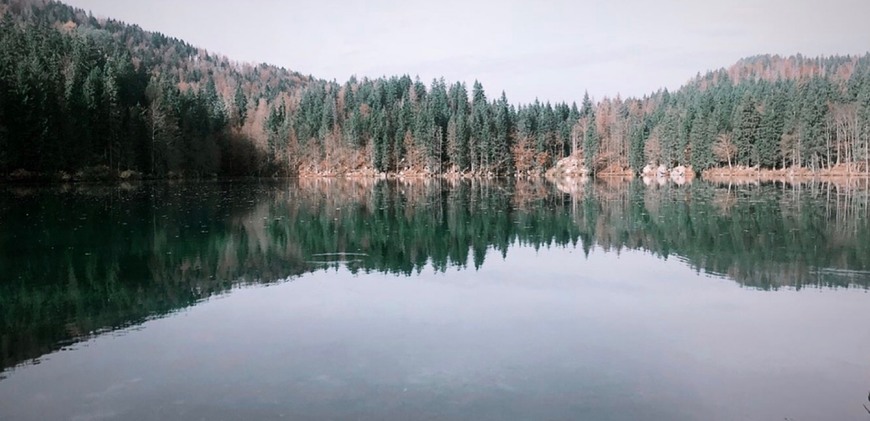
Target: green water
434 300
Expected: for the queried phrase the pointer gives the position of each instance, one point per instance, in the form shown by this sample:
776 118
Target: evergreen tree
591 142
670 137
637 137
862 146
770 132
480 129
459 114
502 143
546 125
277 126
814 113
746 123
112 113
241 103
701 138
590 133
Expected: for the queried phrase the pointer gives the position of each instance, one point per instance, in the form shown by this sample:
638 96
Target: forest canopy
80 94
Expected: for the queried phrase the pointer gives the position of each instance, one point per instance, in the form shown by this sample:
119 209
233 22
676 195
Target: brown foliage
524 156
725 149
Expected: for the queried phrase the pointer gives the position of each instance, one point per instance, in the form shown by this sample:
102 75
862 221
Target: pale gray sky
552 50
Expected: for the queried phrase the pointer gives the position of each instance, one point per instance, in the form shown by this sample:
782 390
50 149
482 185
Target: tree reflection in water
80 260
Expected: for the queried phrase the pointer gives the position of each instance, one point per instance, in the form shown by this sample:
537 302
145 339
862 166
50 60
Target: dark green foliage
277 128
66 275
108 95
591 140
780 112
862 145
702 133
502 136
814 112
480 129
746 124
638 132
241 103
77 93
770 131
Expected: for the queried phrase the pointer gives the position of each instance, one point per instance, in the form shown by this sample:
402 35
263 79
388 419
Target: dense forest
175 245
88 97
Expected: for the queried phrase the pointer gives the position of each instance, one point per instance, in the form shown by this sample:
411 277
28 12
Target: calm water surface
434 300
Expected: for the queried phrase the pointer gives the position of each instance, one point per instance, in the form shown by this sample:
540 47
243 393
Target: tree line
80 94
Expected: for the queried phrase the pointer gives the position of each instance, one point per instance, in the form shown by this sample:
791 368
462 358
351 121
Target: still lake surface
328 299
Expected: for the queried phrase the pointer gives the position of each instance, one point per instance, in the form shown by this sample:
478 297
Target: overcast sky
552 50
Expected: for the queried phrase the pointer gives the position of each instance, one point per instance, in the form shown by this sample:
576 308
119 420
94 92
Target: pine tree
546 125
590 133
241 103
746 123
480 129
637 138
112 113
215 107
770 132
862 146
380 155
670 134
810 121
459 114
277 126
501 144
591 142
701 140
571 123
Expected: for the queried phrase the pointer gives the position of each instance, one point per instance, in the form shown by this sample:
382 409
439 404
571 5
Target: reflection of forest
760 235
84 260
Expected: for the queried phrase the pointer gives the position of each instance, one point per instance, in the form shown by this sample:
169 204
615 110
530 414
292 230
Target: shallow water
428 300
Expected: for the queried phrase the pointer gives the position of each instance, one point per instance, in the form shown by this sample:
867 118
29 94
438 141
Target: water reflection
77 261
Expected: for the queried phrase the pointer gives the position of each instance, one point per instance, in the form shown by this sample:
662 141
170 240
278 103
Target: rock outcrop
568 167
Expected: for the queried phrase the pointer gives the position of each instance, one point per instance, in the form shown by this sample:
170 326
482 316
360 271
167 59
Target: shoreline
785 175
716 175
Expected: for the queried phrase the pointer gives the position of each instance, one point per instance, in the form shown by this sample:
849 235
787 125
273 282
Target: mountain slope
79 91
86 97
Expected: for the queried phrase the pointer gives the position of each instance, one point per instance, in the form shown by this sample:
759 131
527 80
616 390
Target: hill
79 92
84 97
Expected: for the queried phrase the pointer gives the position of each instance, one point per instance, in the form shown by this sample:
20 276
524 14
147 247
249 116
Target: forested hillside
82 96
78 92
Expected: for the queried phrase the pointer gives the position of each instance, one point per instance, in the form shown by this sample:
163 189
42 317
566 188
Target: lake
484 300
